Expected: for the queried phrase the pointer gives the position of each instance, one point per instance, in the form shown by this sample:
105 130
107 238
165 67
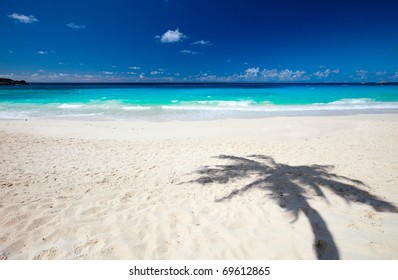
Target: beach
302 187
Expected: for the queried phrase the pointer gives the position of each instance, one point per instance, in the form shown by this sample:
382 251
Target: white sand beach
272 188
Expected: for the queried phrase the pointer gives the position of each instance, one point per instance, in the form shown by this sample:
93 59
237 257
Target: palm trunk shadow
324 245
290 187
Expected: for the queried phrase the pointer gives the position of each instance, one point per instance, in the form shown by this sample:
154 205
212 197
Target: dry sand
274 188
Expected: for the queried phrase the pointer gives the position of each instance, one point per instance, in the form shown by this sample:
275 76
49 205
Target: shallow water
192 101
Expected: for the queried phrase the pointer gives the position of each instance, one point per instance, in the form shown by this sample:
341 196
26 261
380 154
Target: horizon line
221 83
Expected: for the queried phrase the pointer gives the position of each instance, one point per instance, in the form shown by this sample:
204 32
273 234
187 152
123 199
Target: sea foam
171 102
70 106
135 108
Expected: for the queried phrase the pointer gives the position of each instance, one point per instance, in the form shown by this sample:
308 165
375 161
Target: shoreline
220 189
99 129
228 116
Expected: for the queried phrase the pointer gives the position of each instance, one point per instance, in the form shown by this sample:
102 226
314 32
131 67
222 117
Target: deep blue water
192 101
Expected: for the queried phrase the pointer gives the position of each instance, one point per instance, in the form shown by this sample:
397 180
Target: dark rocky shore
9 82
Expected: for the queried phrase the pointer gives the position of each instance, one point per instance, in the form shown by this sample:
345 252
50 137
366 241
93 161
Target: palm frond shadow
291 187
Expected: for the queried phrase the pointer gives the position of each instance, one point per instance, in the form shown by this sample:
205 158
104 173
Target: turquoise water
192 101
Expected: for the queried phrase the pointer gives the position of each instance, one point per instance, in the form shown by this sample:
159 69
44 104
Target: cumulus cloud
322 74
272 75
156 72
75 26
74 77
381 73
361 74
205 77
6 75
42 52
202 43
23 18
326 73
269 74
134 67
188 52
171 36
283 75
252 72
287 75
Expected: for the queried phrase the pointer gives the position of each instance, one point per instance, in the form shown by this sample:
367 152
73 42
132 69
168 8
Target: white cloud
134 67
361 74
269 73
322 74
188 52
142 76
283 75
157 72
74 77
288 75
326 73
6 75
171 36
107 72
381 73
252 72
42 52
23 18
75 26
202 43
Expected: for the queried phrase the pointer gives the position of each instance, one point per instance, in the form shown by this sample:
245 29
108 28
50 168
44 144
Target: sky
199 41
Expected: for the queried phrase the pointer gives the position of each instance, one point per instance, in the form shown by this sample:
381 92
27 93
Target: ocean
169 102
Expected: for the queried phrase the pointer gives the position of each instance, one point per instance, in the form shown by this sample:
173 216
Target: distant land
9 82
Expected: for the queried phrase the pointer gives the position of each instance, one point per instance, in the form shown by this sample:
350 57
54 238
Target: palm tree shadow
291 187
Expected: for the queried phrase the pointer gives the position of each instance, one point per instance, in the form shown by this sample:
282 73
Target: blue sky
186 40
